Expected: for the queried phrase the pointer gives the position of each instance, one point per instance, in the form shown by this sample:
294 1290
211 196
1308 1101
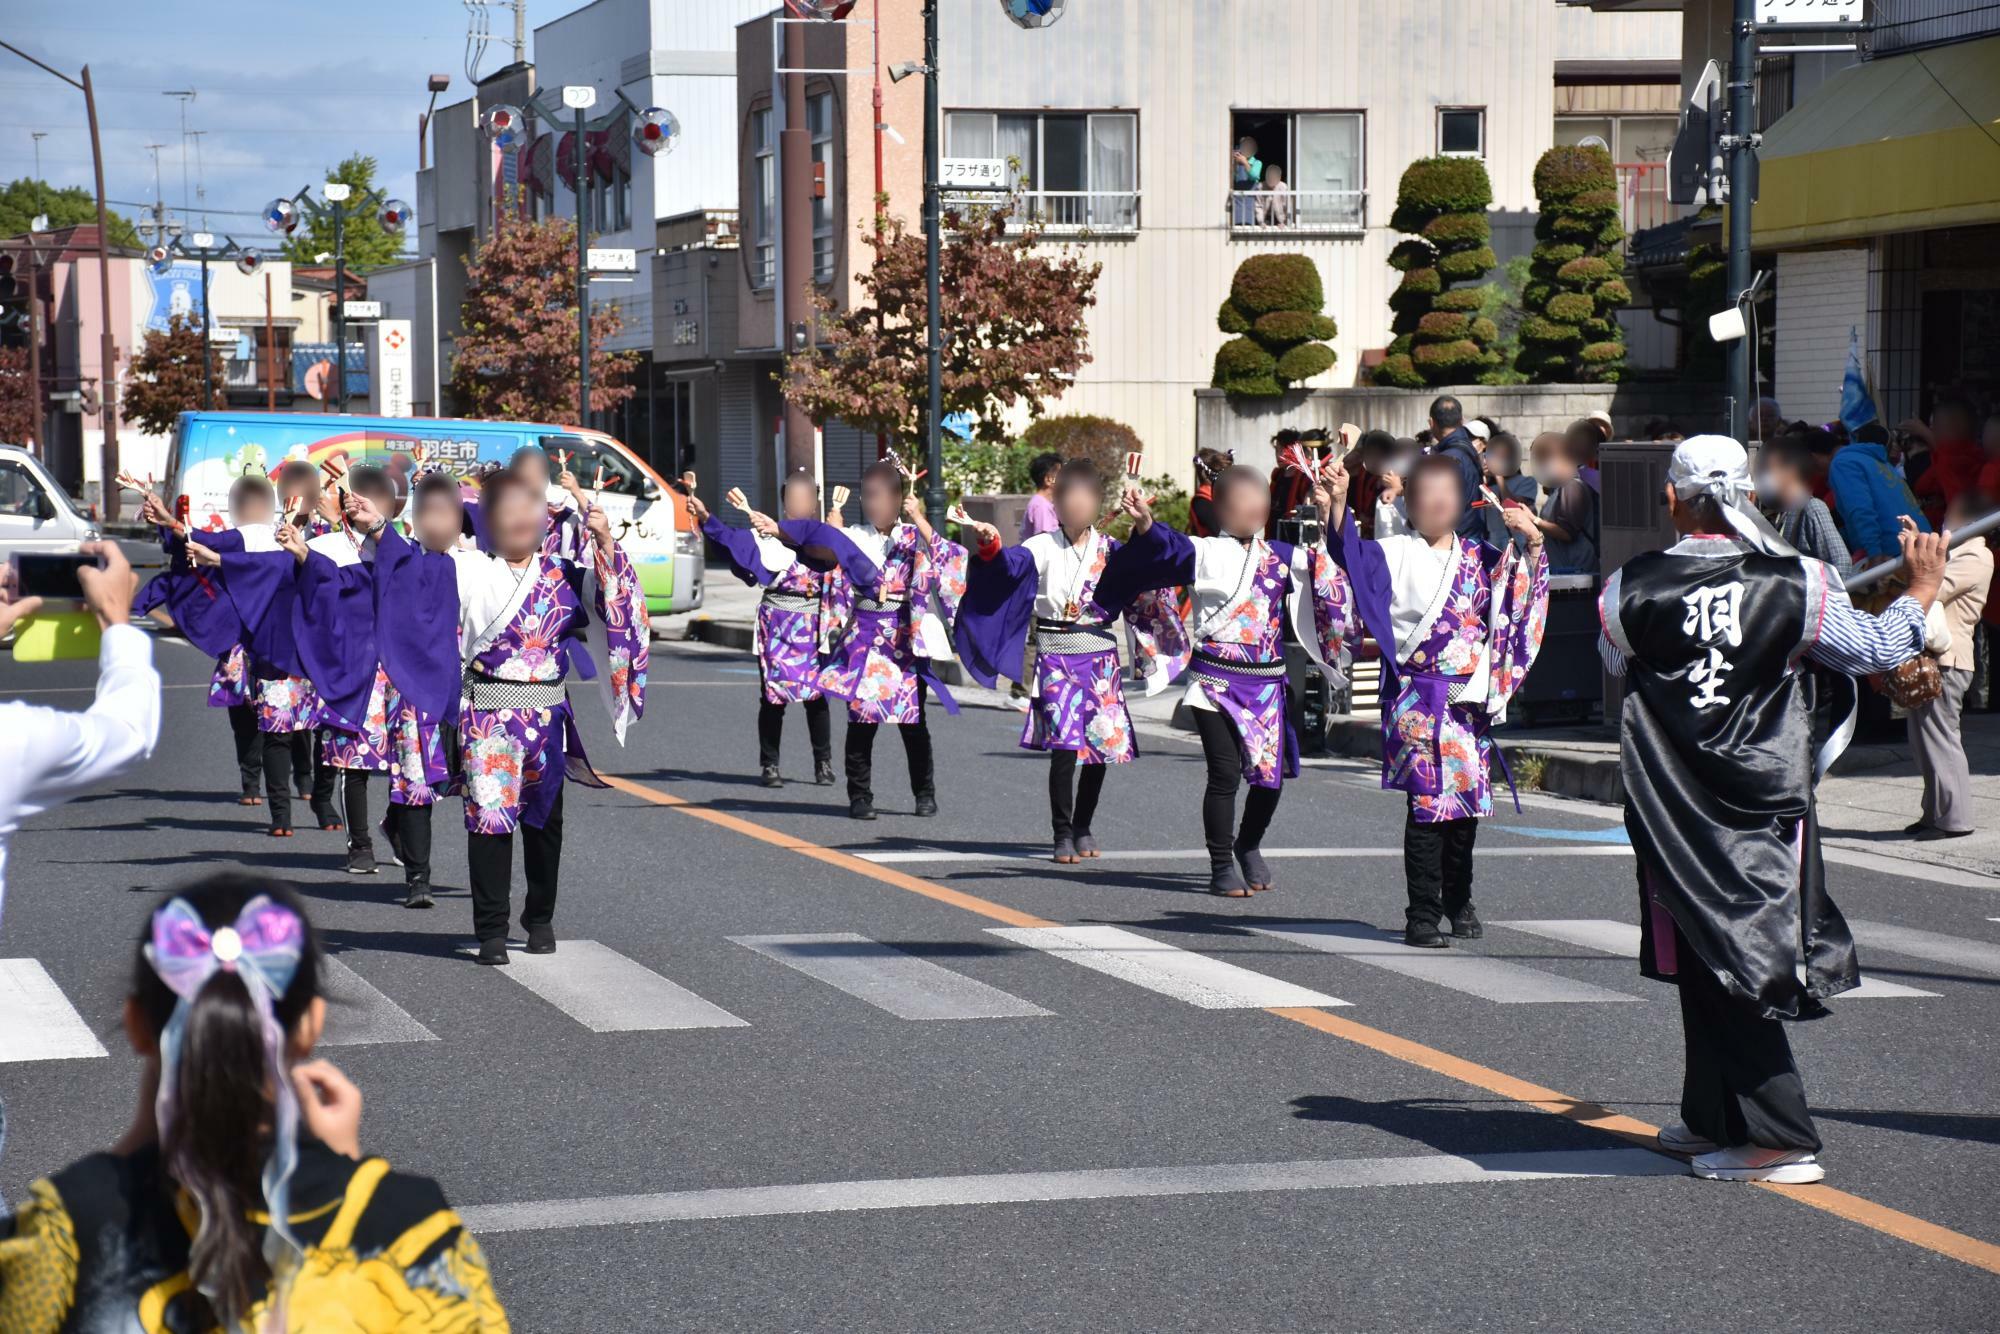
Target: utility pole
796 233
933 337
340 310
582 267
186 95
1740 146
520 32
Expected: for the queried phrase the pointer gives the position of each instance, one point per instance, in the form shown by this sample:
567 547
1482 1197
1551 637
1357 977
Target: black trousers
325 778
1742 1085
1437 863
860 747
492 863
305 751
249 747
771 730
278 774
410 834
354 797
1070 812
1224 754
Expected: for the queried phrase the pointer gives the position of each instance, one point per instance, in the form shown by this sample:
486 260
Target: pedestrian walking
1936 728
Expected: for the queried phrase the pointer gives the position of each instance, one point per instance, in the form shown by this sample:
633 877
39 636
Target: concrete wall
1822 295
1246 426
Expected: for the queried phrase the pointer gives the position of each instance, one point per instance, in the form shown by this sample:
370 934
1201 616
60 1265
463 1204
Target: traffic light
13 301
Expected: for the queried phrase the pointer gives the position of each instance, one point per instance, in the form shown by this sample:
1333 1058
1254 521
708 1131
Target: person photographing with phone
49 755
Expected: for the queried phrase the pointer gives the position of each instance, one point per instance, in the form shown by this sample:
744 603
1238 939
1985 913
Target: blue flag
1857 408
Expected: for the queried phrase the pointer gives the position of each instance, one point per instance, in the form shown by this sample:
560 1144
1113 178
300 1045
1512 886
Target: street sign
362 310
601 259
1815 13
1694 163
393 371
973 173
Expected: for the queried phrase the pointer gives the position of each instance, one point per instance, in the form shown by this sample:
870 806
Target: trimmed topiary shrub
1441 203
1077 435
1276 306
1575 286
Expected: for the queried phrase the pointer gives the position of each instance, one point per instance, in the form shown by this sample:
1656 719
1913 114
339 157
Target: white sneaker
1677 1138
1748 1162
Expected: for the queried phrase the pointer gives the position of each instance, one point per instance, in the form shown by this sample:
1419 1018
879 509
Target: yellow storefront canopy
1903 143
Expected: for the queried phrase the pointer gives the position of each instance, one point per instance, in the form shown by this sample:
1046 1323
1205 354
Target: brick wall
1822 294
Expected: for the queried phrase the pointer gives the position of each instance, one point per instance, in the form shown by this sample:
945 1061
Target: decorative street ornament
160 259
831 10
1034 13
249 262
656 131
395 216
505 123
281 216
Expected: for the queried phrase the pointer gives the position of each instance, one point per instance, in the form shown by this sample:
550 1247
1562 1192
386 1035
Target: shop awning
1903 143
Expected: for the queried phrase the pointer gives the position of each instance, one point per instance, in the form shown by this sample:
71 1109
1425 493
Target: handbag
1913 684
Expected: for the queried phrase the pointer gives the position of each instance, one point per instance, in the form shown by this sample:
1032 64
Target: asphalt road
985 1093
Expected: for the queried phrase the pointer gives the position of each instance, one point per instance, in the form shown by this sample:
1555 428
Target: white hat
1477 430
1600 416
1717 466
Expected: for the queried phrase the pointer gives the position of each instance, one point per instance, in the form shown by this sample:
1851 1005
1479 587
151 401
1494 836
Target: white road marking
1182 974
1957 951
888 978
608 993
1622 938
825 1197
1929 873
1041 854
357 1014
37 1023
1474 974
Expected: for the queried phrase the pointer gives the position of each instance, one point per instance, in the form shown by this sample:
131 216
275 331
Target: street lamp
203 246
339 202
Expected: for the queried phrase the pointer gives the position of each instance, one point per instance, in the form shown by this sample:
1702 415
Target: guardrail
1077 212
1298 212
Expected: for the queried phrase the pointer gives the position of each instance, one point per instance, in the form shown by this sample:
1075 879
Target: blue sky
284 89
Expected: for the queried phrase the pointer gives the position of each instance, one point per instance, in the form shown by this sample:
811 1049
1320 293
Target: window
1073 171
1638 145
261 365
1297 170
597 467
1462 131
819 120
763 200
20 498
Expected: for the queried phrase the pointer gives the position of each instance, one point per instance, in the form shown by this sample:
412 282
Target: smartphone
52 577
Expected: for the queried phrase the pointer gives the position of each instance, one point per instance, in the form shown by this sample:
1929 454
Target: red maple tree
165 378
1011 320
517 358
17 415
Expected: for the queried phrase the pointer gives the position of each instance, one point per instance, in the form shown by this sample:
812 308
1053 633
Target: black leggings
354 795
1437 864
249 746
771 730
325 778
278 773
491 860
1224 754
1071 815
860 747
409 830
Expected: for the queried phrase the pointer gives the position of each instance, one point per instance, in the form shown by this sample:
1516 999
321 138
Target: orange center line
1876 1217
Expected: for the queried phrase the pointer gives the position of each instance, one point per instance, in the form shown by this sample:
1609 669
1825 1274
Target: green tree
21 200
1275 310
367 246
1440 336
1577 282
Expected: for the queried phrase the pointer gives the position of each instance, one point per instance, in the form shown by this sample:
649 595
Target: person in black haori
1718 765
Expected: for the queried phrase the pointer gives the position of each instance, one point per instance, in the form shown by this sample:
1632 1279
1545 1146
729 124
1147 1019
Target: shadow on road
1453 1126
1975 1126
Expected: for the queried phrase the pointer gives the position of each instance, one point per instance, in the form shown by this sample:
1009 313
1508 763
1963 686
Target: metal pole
1977 529
270 353
1742 169
933 350
582 281
796 236
39 417
207 323
340 307
107 355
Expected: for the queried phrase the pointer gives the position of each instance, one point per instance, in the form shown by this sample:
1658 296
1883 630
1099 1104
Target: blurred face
1078 504
1243 508
1951 423
1435 499
801 500
440 522
515 523
252 507
533 465
881 501
1500 458
1779 482
1552 460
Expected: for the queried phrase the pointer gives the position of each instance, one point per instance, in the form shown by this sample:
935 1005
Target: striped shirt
1847 639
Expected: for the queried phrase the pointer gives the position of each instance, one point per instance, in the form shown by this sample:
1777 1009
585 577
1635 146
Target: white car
36 514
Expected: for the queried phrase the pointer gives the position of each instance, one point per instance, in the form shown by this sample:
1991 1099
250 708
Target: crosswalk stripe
1182 974
1978 955
1622 938
36 1022
609 993
1474 974
358 1015
1037 853
888 978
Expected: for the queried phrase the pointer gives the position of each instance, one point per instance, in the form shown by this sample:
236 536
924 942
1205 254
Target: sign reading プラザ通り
973 173
1779 13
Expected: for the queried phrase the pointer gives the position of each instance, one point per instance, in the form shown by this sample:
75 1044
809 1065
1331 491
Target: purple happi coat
204 617
261 583
465 616
1048 586
787 636
1458 631
334 624
881 637
1243 594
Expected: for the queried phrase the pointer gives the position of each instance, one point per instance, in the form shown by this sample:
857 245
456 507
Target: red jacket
1955 465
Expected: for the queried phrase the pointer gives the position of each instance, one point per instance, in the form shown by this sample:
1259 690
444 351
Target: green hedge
1565 172
1569 307
1398 372
1075 435
1265 283
1275 308
1412 255
1568 333
1468 265
1441 205
1445 324
1458 229
1305 361
1231 320
1460 299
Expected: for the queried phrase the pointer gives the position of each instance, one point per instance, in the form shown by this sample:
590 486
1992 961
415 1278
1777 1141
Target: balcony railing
1642 195
1298 212
1077 212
